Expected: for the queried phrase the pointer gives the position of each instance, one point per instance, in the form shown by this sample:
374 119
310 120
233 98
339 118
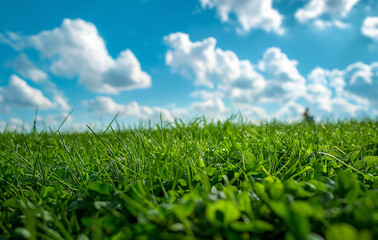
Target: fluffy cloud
362 81
14 40
14 124
206 95
18 93
238 79
334 9
351 91
61 101
322 24
370 27
284 82
107 106
26 68
54 120
76 50
211 107
342 107
251 14
291 111
251 113
208 65
320 94
276 79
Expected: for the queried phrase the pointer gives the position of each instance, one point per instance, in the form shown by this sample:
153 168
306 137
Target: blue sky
182 59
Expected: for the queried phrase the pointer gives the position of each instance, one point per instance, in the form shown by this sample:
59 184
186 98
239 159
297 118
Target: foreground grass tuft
194 180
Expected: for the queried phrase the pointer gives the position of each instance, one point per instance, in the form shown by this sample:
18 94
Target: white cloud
237 79
284 82
61 101
291 111
14 124
329 78
251 14
334 92
322 24
180 113
206 95
370 28
19 93
56 119
107 106
51 120
26 68
347 92
208 65
251 113
340 24
341 107
214 109
315 10
76 50
320 94
212 106
311 10
362 81
15 40
357 80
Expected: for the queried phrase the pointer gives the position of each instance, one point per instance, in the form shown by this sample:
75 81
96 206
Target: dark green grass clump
195 180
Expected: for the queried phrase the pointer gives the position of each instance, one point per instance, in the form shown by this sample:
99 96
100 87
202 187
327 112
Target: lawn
195 180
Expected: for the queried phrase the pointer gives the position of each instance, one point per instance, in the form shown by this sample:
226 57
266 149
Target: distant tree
307 117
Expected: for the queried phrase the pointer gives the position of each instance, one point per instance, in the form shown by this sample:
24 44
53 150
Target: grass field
195 180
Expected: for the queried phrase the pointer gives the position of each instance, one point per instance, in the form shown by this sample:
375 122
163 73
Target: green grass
194 180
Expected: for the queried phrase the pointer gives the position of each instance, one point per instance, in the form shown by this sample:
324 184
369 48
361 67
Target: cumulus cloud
206 64
15 40
76 50
206 95
18 93
322 24
291 111
180 113
315 10
107 106
213 109
57 119
61 101
210 107
284 82
275 79
362 81
237 79
342 107
251 113
352 91
14 124
320 94
370 27
251 14
27 69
